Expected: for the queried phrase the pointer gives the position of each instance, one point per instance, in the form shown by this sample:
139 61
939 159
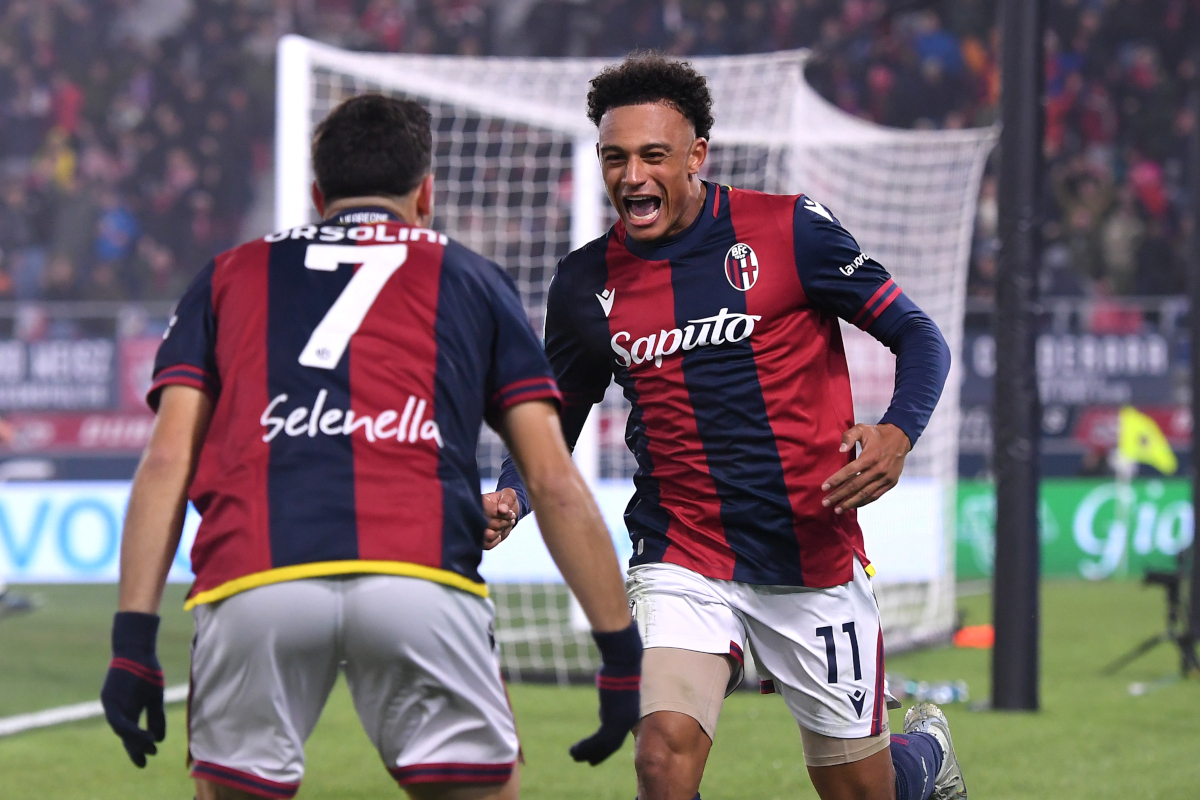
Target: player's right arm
158 498
182 395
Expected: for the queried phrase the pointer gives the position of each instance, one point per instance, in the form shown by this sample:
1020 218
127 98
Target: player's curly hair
651 77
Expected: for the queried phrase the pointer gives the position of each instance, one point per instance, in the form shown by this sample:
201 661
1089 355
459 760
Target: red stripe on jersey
520 391
180 380
887 301
392 525
716 200
230 487
805 384
546 391
645 303
866 309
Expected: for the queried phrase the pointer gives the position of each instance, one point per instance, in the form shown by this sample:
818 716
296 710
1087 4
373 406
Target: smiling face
650 157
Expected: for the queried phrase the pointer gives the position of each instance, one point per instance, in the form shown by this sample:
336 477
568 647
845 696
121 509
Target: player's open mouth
642 210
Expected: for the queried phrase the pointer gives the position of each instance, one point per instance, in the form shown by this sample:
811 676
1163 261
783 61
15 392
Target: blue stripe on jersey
311 482
458 330
740 447
645 518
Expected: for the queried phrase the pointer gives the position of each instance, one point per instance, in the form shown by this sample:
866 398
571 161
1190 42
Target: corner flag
1139 439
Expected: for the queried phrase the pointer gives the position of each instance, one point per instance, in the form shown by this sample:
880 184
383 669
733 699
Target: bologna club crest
741 267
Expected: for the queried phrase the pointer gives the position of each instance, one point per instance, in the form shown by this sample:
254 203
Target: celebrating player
716 309
319 396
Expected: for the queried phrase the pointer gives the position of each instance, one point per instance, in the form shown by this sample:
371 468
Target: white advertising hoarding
71 532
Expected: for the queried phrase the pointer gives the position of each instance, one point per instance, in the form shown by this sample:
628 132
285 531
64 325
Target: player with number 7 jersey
361 344
319 398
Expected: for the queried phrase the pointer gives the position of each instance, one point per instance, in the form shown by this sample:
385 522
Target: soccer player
319 396
716 310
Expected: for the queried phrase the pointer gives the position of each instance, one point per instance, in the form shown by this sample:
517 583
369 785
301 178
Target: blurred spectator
60 281
116 130
156 275
1157 268
1121 237
117 230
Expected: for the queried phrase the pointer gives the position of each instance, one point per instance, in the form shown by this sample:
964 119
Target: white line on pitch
56 716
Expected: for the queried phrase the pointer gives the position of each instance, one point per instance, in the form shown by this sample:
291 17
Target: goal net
518 181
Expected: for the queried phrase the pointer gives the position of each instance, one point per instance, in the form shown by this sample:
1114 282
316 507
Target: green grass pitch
1092 739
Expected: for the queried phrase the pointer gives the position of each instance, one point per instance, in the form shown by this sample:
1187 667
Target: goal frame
805 123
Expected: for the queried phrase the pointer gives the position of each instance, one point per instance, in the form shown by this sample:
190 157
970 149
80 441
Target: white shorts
821 649
420 659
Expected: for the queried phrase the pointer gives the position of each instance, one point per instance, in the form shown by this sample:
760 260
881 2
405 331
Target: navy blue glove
620 683
134 684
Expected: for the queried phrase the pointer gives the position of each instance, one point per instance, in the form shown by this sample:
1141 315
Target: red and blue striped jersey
725 340
351 364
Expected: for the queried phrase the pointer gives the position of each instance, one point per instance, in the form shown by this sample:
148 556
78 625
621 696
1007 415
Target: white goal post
518 181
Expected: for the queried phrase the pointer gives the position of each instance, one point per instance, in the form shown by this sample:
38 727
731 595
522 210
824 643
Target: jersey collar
680 243
363 215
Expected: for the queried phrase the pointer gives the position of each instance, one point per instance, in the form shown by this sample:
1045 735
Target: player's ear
318 199
425 200
697 155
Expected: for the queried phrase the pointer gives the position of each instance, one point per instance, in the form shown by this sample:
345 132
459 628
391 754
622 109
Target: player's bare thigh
206 790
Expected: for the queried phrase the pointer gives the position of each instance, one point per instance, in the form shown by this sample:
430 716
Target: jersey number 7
332 334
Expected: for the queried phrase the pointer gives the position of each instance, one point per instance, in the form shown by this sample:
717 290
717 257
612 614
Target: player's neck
691 210
403 207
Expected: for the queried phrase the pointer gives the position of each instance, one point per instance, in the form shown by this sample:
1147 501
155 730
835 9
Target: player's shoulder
460 261
760 202
238 261
812 215
467 274
591 256
584 265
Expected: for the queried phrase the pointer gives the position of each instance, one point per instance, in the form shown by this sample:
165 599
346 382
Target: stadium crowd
129 152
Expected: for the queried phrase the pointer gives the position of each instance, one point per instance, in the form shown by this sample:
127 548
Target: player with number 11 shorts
716 310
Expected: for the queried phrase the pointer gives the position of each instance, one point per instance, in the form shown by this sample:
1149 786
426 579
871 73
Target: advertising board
70 532
1093 529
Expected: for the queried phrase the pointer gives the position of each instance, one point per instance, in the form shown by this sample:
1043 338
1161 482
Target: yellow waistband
323 569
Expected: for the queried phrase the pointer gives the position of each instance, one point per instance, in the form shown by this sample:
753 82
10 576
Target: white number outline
378 263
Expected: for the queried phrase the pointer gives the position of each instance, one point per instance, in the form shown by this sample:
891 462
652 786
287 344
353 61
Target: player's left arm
837 275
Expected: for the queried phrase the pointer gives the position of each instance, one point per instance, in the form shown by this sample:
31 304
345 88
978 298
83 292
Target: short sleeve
519 371
583 376
838 276
187 355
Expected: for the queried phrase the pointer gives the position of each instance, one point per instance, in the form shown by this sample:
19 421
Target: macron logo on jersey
304 421
606 300
715 330
817 208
